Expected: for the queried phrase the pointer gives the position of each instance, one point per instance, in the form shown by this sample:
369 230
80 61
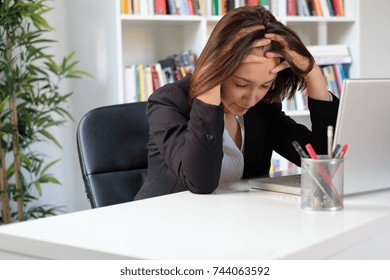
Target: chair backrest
111 143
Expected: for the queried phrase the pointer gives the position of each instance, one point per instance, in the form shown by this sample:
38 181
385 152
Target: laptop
363 122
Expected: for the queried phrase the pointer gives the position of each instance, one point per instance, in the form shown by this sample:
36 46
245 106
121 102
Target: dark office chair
111 143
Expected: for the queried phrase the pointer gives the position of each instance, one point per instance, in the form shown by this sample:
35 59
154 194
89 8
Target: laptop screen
364 124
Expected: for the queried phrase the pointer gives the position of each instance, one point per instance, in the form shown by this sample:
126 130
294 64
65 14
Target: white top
233 158
234 223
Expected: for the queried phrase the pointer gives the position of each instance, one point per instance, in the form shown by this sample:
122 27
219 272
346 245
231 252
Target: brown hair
231 41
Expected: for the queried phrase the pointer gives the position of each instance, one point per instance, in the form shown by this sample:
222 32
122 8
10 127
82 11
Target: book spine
196 7
124 7
305 7
190 7
155 78
265 4
136 7
130 84
282 8
141 77
160 7
338 77
324 8
331 8
317 8
215 8
252 2
337 8
171 7
291 8
202 7
178 7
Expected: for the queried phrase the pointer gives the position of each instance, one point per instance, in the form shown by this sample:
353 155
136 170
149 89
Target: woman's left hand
300 61
315 82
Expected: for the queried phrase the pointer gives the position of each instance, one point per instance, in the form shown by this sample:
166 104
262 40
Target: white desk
235 223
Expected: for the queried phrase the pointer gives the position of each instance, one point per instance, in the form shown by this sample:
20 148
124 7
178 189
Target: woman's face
247 86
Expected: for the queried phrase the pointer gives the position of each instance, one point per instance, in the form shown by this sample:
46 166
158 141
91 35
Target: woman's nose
251 98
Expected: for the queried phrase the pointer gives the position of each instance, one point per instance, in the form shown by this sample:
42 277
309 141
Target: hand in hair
300 61
314 80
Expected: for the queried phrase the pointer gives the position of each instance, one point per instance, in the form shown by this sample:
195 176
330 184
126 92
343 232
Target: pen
324 174
299 149
337 151
342 153
311 151
330 140
344 150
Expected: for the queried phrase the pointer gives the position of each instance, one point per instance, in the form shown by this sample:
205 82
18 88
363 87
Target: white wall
86 27
375 39
71 193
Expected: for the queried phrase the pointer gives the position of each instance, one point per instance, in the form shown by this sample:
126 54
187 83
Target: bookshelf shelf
161 18
317 19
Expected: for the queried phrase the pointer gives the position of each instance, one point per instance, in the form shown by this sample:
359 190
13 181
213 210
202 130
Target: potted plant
31 103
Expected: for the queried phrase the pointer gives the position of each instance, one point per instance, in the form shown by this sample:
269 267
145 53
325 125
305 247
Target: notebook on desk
363 123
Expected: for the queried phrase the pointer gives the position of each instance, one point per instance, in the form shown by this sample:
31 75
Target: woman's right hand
213 96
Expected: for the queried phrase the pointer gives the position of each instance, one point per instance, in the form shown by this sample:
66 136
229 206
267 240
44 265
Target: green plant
31 103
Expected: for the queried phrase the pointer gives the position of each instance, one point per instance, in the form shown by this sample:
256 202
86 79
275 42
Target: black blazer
185 142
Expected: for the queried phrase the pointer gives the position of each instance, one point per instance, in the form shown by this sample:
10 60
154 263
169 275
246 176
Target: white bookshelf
138 39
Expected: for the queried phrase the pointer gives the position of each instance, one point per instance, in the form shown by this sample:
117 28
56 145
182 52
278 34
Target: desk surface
234 223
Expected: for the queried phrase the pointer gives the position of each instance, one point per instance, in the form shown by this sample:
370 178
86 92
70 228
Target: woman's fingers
261 43
280 67
276 38
254 58
300 61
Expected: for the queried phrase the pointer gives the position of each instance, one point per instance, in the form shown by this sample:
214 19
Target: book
160 7
190 7
317 8
303 8
338 76
331 8
130 93
136 7
171 7
341 73
179 64
330 79
214 7
330 54
179 10
265 4
252 2
148 82
325 8
201 7
125 7
184 8
291 8
143 8
229 5
196 7
137 83
168 67
155 78
161 75
282 9
141 79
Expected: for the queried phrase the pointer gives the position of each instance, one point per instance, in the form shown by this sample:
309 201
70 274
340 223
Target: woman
223 122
